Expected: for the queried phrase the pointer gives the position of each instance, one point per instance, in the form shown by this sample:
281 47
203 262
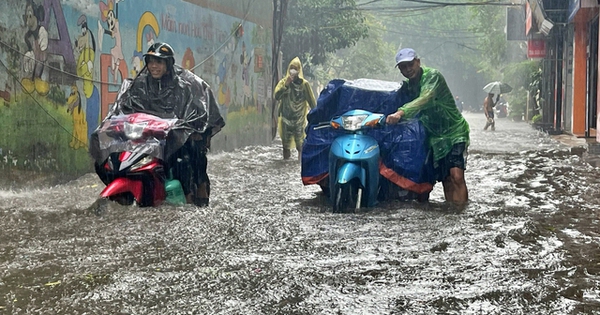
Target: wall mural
63 62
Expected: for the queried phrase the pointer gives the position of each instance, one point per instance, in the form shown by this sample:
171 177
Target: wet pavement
527 243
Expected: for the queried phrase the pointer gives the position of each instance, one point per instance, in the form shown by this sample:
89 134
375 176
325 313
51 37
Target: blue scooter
354 161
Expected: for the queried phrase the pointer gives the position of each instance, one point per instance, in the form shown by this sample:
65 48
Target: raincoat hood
295 98
298 64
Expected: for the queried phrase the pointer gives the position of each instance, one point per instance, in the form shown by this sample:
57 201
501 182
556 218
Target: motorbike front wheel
346 197
124 199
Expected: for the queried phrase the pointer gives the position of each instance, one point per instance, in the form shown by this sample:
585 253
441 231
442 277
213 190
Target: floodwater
527 243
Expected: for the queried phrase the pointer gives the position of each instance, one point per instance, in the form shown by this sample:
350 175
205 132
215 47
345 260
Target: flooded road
527 243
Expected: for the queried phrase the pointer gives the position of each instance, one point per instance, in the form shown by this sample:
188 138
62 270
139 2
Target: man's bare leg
455 187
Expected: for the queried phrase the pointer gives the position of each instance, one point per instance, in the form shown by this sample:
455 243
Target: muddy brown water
527 243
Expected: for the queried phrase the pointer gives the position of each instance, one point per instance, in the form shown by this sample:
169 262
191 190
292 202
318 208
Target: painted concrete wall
62 62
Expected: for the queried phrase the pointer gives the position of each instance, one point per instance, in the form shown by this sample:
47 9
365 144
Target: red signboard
536 48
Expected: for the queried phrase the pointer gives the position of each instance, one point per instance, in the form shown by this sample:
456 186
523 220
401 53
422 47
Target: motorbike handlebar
373 123
321 125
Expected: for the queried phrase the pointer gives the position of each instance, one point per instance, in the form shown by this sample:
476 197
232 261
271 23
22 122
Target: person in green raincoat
296 98
447 130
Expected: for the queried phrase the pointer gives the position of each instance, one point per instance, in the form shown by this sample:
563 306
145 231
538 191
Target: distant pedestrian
296 98
488 110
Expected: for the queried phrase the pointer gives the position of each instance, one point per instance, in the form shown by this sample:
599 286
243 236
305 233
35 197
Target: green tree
521 74
464 39
314 28
489 23
524 78
443 37
371 57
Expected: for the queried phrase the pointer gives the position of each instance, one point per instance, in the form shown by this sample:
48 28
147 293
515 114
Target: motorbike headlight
145 160
353 122
134 131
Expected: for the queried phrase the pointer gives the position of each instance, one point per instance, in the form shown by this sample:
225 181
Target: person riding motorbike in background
166 90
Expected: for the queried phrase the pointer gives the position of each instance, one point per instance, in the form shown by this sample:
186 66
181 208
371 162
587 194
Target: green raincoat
444 123
295 101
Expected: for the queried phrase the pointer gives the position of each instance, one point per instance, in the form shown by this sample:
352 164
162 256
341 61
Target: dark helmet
162 51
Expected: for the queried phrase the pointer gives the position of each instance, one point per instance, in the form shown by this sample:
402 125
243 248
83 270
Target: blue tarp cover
406 160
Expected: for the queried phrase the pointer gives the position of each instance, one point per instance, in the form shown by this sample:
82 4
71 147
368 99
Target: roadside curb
588 151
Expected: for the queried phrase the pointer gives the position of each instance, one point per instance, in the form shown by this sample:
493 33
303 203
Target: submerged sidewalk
587 148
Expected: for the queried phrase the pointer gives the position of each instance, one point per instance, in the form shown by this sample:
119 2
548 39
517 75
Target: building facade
568 32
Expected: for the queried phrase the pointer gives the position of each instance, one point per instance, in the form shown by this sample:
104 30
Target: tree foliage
371 57
522 74
464 39
443 37
315 28
524 77
489 23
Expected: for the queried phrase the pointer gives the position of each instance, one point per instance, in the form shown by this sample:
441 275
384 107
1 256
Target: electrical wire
432 3
240 24
30 94
2 43
231 34
8 46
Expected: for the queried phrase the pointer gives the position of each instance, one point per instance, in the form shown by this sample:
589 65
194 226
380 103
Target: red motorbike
132 149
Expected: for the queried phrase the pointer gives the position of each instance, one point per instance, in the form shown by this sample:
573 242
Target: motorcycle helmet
162 51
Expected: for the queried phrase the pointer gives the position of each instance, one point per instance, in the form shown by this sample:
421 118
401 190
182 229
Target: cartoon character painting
149 39
36 39
86 46
108 14
223 92
5 95
245 62
79 139
137 63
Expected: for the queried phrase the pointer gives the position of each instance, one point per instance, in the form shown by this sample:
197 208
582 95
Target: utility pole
279 13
